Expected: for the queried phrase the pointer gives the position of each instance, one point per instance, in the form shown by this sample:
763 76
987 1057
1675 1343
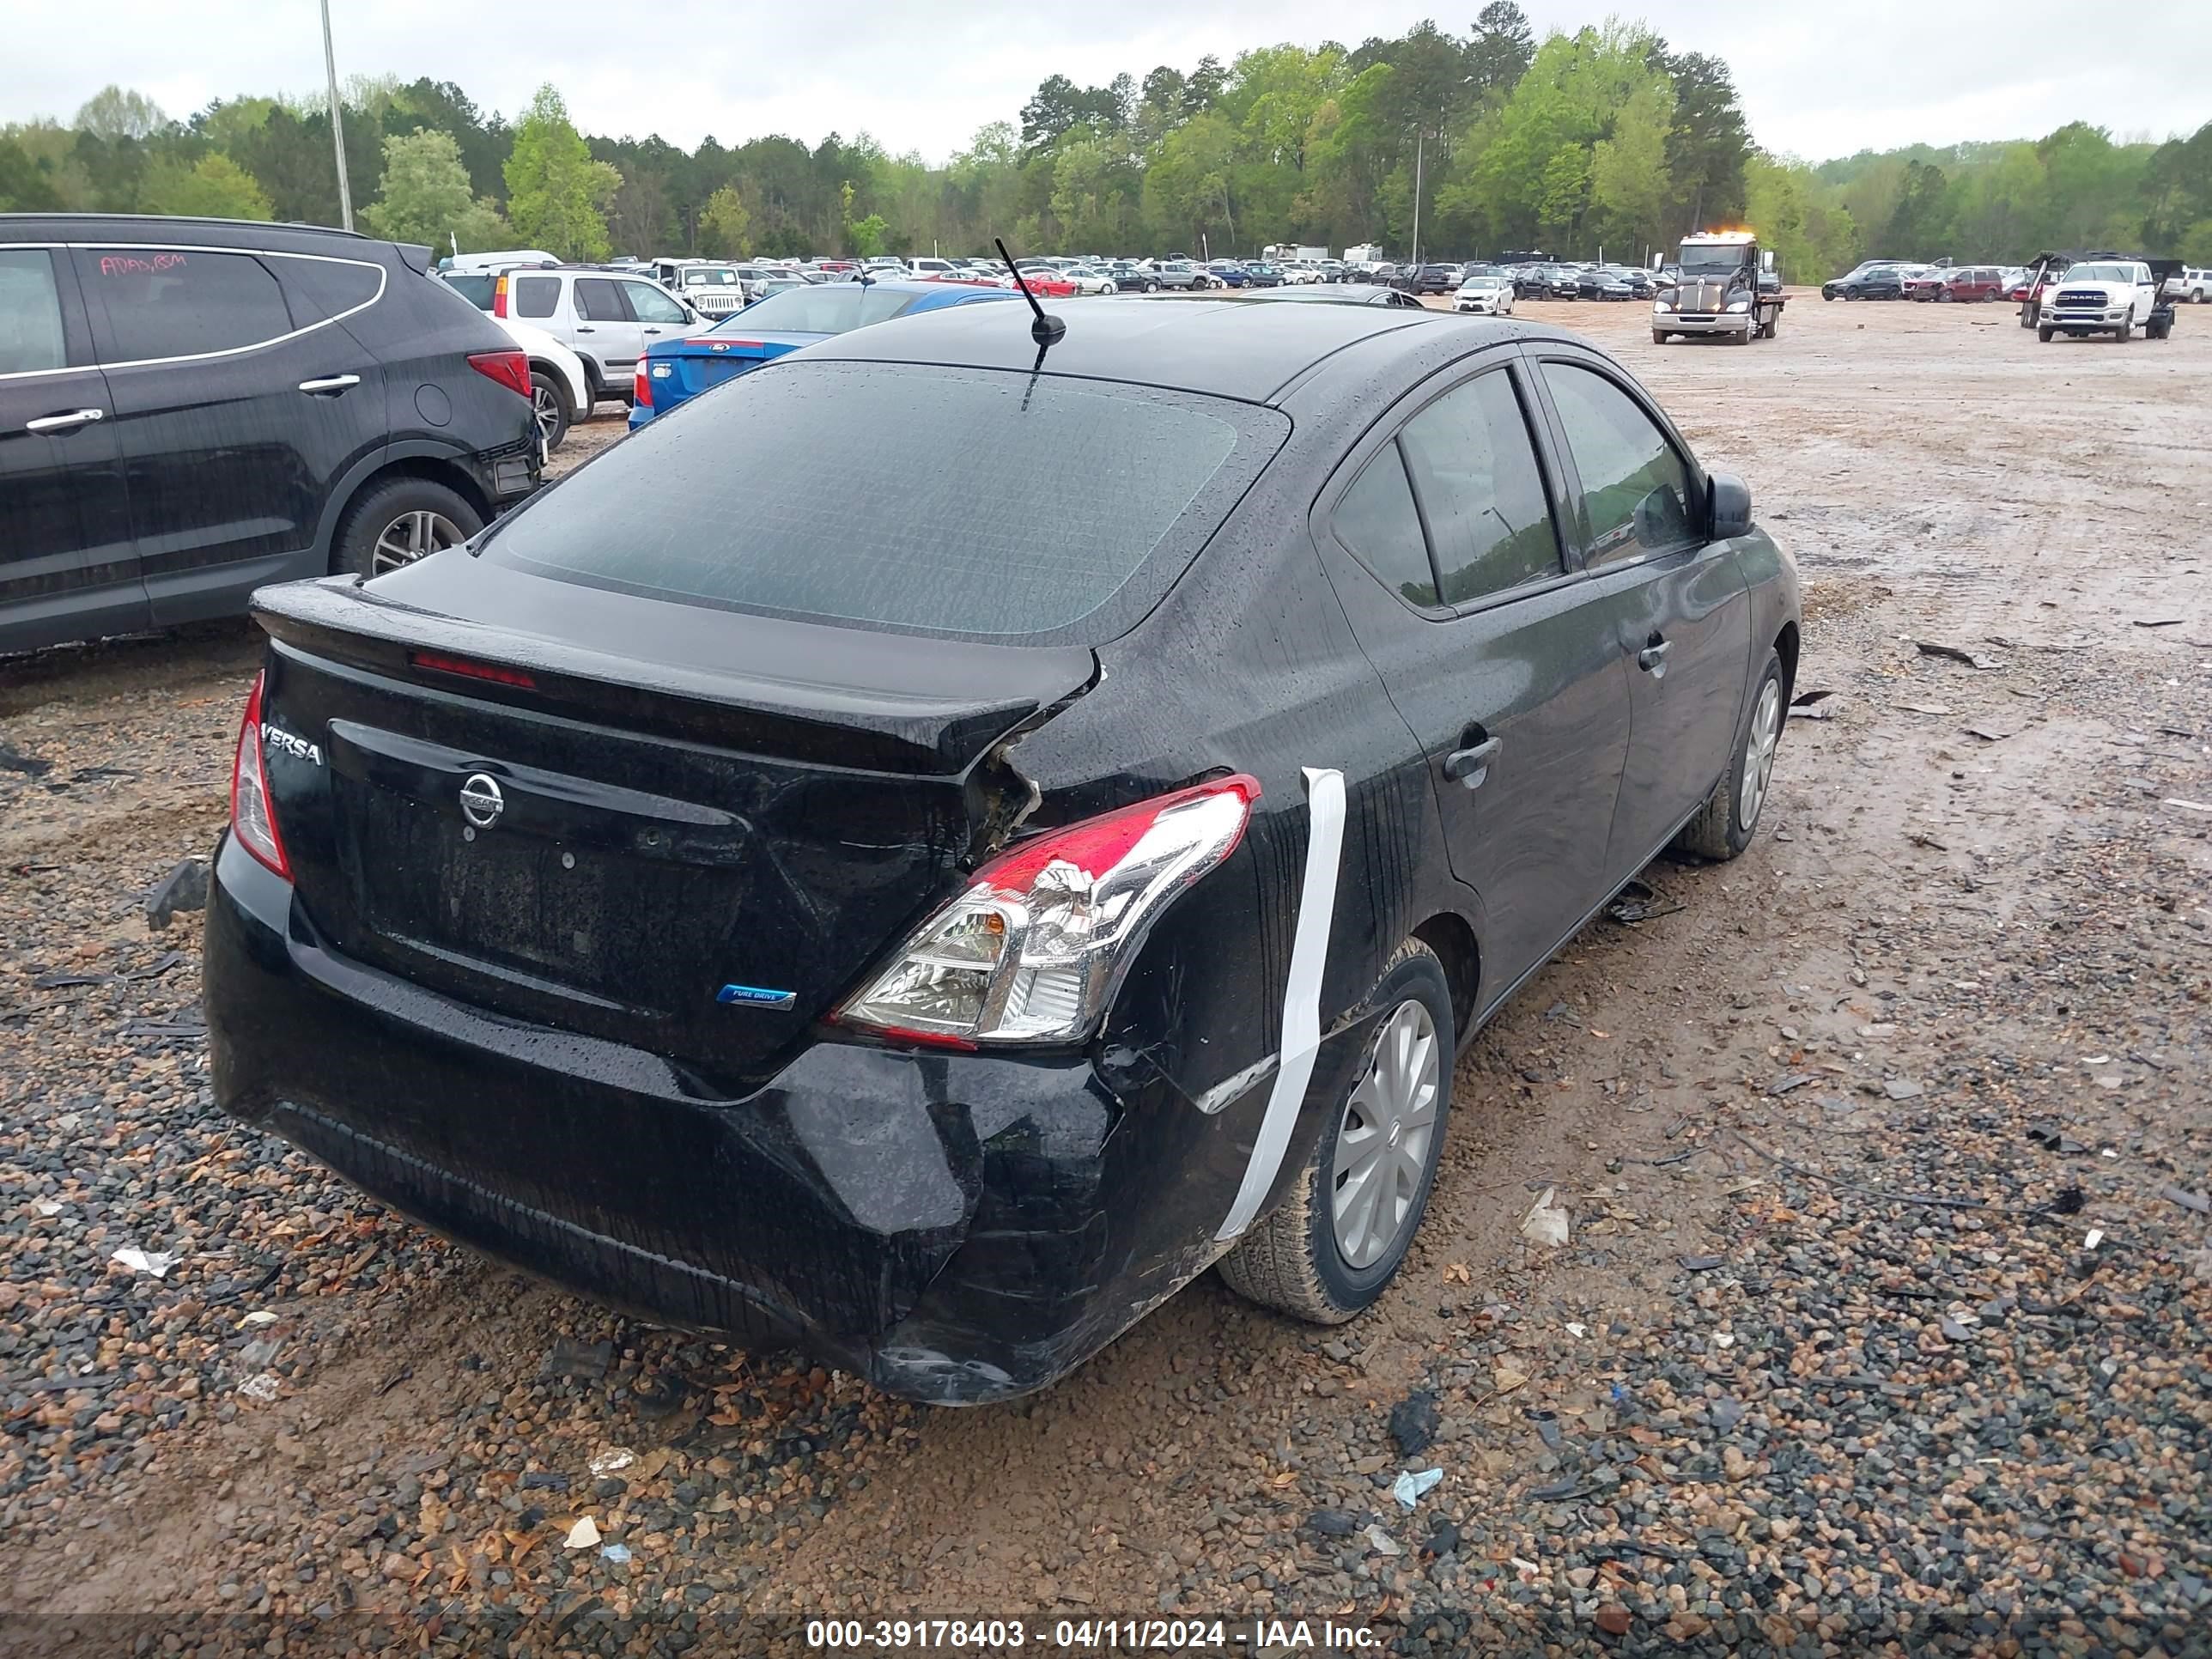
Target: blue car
675 370
1229 273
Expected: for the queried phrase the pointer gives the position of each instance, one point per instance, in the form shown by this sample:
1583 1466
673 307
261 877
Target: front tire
1729 818
397 522
1658 337
2125 332
1328 1250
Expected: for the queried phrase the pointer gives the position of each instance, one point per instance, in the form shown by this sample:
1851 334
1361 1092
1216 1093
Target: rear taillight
1036 947
640 388
510 368
252 814
499 298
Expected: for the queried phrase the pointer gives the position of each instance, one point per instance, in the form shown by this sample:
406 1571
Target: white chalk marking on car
1300 1000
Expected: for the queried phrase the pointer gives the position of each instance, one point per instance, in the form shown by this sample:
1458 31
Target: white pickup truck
2108 296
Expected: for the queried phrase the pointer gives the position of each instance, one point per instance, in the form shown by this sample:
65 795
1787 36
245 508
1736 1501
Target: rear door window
982 505
598 300
30 312
1474 472
535 296
1635 487
154 303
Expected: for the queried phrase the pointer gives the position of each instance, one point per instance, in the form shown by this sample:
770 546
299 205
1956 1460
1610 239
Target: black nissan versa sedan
930 847
190 408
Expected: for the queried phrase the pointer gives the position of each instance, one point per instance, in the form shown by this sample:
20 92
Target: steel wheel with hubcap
1382 1138
1337 1237
1724 825
1757 767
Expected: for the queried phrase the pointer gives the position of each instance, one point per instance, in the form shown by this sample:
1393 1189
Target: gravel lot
1882 1323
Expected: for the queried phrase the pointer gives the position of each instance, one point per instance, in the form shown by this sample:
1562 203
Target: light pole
1420 142
337 126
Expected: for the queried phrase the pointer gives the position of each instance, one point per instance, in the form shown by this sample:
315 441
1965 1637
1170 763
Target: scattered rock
1413 1422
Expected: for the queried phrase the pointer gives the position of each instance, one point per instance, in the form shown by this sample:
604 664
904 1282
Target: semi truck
1722 283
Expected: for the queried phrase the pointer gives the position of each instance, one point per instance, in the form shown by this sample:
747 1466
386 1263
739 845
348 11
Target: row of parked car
1946 283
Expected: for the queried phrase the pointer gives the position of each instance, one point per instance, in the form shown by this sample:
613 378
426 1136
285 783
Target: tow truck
1723 283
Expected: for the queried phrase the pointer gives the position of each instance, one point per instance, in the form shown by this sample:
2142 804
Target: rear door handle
1468 767
330 384
585 328
652 331
69 422
1652 659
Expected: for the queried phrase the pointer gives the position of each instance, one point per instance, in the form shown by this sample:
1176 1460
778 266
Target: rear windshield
969 502
831 308
475 288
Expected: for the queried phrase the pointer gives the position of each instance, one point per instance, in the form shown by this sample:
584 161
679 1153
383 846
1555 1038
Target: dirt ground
1885 1149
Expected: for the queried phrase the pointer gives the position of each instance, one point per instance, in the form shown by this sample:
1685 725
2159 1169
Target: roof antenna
1045 329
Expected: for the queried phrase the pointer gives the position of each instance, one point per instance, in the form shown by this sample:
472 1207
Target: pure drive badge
481 801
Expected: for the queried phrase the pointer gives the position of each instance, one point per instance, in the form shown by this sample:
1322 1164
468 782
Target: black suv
190 408
1428 279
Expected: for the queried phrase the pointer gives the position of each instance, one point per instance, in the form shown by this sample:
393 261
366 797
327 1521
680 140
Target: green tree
213 187
557 194
427 196
1801 217
866 236
113 113
725 226
24 185
1499 48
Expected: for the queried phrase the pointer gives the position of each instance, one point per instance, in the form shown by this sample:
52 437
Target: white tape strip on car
1302 1001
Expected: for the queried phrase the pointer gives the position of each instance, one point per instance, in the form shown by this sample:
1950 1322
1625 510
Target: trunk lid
707 360
655 847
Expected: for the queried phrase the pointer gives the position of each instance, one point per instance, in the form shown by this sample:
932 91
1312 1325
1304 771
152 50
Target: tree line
1605 140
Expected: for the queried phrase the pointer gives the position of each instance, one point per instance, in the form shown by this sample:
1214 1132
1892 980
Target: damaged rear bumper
955 1227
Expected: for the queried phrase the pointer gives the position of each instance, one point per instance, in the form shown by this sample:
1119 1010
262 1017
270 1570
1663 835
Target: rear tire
1295 1259
1729 818
549 401
398 521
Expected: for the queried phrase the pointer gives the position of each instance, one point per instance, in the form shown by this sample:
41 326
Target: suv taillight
252 814
640 388
1034 950
499 298
510 368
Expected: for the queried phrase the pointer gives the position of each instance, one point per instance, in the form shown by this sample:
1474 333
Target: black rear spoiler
880 702
416 256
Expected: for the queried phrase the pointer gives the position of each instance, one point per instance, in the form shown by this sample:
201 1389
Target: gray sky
1817 79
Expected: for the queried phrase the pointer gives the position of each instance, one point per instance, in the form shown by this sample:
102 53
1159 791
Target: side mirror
1766 259
1728 506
